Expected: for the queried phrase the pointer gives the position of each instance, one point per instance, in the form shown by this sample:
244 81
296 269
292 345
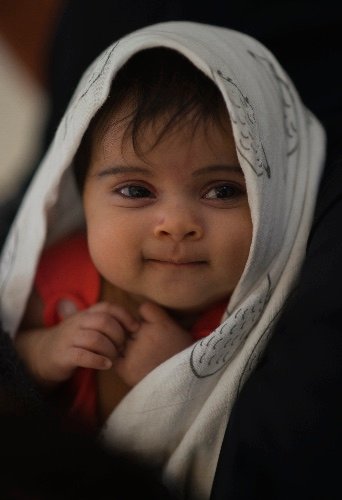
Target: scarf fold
177 415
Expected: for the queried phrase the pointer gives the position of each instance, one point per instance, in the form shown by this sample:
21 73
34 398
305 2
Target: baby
168 230
160 239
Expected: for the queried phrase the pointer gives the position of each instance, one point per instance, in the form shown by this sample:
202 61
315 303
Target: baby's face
173 227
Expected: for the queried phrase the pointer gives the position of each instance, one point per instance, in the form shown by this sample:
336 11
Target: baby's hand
92 338
158 338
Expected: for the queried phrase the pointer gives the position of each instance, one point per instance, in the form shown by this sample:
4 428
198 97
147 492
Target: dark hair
154 82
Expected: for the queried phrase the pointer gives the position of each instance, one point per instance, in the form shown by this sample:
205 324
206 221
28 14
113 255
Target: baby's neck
114 295
185 319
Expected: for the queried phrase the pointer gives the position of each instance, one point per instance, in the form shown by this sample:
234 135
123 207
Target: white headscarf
177 415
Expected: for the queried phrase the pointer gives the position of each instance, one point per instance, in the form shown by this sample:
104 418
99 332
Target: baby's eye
133 191
223 192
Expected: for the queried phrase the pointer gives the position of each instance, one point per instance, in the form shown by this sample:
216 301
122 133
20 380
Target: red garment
67 272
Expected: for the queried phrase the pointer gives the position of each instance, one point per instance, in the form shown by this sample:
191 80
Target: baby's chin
189 313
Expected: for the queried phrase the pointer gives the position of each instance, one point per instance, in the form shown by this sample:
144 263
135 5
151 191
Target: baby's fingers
98 343
83 358
119 313
152 313
103 324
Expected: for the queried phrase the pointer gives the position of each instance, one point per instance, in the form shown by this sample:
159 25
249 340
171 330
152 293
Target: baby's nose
178 224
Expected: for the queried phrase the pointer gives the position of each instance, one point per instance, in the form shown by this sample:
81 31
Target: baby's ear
66 308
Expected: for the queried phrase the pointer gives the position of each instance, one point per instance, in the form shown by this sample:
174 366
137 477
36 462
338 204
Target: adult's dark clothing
284 437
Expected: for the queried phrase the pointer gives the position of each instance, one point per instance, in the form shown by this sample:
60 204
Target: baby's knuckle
104 306
79 357
93 339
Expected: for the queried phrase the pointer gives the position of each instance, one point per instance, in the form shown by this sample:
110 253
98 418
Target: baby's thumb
152 313
66 308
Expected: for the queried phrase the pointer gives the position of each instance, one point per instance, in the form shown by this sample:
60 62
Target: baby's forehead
119 129
157 136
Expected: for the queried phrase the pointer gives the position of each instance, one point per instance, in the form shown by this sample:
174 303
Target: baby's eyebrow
123 169
126 169
218 168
